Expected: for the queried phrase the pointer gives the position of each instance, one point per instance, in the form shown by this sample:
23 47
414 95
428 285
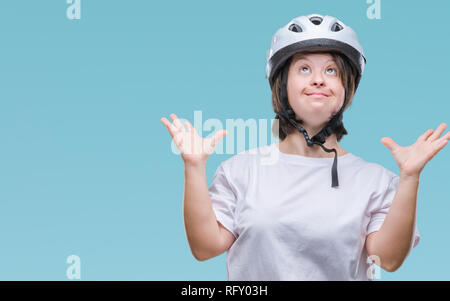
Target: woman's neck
295 144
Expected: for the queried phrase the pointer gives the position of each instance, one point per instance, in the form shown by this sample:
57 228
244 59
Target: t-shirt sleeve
223 198
382 202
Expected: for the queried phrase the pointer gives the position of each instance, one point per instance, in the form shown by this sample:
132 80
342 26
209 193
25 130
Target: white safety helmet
313 32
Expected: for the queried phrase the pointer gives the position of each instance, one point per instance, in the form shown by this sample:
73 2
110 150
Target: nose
317 80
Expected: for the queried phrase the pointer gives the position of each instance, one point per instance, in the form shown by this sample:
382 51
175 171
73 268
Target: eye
304 69
331 71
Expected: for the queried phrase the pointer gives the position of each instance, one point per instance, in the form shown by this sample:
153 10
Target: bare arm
207 238
393 242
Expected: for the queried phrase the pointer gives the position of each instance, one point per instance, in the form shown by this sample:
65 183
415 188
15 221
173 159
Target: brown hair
285 127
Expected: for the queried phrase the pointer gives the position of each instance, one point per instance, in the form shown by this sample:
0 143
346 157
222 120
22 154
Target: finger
426 135
390 143
438 132
177 122
178 138
217 137
439 144
447 136
443 140
172 129
210 143
189 126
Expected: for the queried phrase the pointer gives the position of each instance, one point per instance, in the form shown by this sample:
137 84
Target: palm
412 159
192 147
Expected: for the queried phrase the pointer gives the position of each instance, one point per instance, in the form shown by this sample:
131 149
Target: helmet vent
336 27
316 20
295 28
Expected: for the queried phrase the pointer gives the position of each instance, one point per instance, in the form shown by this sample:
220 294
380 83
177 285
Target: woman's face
314 88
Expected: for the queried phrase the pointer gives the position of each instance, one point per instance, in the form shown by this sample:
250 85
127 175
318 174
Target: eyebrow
304 58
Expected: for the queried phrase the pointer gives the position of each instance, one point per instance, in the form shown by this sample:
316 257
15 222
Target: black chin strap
289 115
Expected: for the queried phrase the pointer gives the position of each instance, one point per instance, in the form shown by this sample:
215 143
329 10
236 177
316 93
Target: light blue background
86 166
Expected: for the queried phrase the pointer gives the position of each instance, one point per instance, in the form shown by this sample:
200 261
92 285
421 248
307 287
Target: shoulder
374 172
245 159
241 168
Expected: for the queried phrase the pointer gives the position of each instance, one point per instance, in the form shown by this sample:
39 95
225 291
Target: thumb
389 143
217 137
212 142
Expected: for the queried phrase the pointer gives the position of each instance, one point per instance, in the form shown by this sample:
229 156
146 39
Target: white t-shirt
290 224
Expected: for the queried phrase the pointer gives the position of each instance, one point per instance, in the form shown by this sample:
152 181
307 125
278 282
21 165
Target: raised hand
412 159
193 148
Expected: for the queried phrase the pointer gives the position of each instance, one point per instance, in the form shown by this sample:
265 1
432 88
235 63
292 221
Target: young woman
276 211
